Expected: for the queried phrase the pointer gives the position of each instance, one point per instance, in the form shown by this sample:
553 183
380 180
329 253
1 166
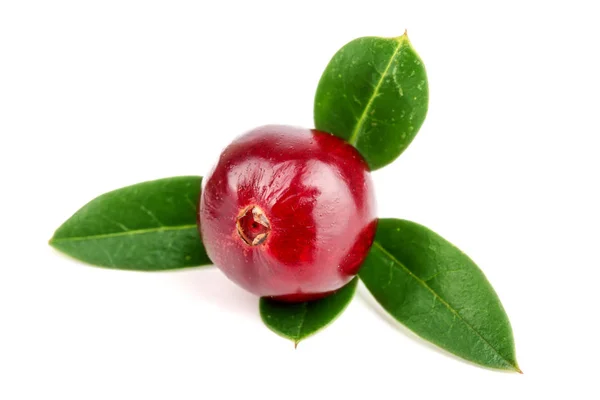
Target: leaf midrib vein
424 284
354 135
127 233
301 325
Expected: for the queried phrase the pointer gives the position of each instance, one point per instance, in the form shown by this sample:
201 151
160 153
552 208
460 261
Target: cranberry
288 212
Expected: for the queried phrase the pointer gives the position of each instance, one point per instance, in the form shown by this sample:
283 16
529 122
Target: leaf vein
108 256
301 325
191 203
117 223
151 215
128 233
361 121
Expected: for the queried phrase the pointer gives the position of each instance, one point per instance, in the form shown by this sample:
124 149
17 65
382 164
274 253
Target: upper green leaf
149 226
374 94
297 321
434 289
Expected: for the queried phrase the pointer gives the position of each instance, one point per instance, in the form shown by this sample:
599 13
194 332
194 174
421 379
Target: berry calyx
253 226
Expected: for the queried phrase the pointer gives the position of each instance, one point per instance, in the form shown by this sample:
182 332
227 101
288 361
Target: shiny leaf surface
374 94
150 226
435 290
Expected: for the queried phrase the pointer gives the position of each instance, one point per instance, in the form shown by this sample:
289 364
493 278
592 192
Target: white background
99 95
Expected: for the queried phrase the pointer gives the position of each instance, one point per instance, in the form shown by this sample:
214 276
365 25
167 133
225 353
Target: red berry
288 212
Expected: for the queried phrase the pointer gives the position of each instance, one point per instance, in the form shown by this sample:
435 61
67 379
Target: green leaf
150 226
296 321
434 289
374 94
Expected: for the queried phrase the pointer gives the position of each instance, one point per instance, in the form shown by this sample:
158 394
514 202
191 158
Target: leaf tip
403 37
296 344
518 370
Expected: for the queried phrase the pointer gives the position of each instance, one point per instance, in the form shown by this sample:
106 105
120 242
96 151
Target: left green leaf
297 321
150 226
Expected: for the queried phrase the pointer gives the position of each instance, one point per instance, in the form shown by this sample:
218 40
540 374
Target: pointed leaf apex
518 370
403 37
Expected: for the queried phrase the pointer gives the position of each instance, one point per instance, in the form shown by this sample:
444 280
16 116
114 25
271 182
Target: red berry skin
288 212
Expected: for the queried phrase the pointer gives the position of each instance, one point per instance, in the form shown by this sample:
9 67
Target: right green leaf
435 290
374 94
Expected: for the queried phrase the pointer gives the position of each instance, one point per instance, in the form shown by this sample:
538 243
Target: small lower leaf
435 290
296 321
150 226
